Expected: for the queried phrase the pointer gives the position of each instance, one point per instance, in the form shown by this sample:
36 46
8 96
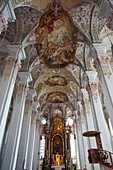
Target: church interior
56 79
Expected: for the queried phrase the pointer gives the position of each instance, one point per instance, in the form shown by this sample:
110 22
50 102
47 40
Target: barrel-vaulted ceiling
56 35
42 4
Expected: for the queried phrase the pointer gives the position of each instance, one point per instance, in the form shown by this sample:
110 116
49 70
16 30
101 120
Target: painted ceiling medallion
56 80
57 97
56 43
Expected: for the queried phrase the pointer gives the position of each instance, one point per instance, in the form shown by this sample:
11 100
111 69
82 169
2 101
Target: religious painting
57 97
57 145
55 40
56 80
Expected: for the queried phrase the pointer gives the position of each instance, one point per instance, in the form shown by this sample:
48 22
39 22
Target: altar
57 144
62 167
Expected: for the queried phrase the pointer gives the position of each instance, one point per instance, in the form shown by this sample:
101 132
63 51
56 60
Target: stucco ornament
3 25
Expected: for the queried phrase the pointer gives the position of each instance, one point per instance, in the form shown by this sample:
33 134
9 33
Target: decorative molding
105 64
92 75
78 122
13 62
10 62
94 90
107 70
34 113
20 88
94 26
81 15
104 59
86 104
29 102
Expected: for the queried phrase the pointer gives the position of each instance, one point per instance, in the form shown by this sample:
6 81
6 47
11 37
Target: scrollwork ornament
87 106
104 59
106 70
3 25
9 63
105 64
82 119
78 123
20 89
94 88
29 102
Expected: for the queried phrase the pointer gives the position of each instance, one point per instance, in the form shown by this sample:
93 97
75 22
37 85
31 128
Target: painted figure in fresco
57 97
56 80
55 39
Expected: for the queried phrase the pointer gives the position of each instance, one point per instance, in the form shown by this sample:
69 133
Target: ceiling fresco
56 80
49 89
64 76
56 35
56 44
57 97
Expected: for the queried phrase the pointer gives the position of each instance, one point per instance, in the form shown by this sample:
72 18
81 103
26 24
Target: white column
7 85
85 140
106 76
24 140
37 146
89 121
98 111
29 162
12 146
77 148
80 142
88 114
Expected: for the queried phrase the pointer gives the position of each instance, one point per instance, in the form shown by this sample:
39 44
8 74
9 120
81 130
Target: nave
56 81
